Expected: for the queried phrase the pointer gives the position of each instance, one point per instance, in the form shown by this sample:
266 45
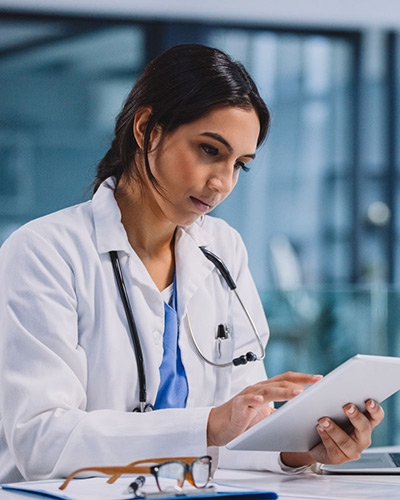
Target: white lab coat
68 376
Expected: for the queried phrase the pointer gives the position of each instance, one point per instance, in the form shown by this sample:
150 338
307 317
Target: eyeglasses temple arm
109 470
130 469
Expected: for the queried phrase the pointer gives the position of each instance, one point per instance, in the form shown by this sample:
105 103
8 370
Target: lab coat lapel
192 268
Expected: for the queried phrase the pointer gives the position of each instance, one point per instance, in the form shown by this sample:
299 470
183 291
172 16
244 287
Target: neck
151 237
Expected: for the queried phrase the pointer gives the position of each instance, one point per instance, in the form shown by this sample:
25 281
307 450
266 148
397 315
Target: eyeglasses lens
201 471
171 475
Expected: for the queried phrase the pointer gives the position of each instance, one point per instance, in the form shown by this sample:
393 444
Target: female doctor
75 363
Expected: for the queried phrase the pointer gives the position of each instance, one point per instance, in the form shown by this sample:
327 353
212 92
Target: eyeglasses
168 472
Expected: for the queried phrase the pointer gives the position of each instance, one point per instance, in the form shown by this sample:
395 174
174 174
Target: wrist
292 459
211 434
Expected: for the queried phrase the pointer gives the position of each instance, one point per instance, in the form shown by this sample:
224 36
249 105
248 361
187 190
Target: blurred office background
319 210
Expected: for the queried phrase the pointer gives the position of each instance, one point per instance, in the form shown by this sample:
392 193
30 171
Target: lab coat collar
191 265
110 233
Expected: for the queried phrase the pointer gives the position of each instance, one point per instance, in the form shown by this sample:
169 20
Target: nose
222 179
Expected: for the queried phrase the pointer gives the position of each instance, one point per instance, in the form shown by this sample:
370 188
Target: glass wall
294 209
318 210
65 81
394 107
60 97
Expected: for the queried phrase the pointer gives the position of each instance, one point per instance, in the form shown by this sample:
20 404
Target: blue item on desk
50 489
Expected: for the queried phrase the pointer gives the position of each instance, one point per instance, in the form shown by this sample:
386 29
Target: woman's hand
338 446
251 405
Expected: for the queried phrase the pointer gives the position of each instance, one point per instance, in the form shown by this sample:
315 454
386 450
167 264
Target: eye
242 165
209 150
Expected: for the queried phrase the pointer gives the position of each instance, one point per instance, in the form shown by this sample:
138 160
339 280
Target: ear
140 121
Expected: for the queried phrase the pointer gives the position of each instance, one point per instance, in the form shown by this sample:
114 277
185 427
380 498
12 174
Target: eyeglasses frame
137 467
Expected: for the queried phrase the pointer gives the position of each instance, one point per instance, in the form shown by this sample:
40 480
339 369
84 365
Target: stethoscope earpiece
244 359
250 356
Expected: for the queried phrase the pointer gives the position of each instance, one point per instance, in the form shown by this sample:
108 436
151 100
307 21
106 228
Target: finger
362 426
340 447
283 391
375 412
335 441
350 444
364 423
372 417
282 388
297 377
247 410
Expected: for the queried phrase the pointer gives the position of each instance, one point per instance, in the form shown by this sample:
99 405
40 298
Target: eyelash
243 166
212 151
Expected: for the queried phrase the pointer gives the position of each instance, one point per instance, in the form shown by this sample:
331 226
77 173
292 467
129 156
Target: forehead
239 126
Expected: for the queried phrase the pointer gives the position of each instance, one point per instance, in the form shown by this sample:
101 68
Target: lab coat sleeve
255 460
43 373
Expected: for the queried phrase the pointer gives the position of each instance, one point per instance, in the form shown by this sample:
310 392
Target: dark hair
180 86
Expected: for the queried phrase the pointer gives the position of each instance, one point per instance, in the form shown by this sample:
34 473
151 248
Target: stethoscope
222 331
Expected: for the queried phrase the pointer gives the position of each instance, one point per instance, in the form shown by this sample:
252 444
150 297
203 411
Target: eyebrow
223 141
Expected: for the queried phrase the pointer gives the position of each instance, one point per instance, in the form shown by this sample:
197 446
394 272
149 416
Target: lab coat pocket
223 349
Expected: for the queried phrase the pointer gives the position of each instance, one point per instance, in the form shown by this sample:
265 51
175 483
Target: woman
69 374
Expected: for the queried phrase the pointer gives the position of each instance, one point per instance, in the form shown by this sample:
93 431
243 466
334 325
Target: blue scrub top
173 389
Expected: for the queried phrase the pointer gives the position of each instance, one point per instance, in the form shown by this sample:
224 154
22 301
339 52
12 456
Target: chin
189 221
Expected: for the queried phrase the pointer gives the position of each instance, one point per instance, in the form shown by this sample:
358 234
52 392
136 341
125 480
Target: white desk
303 486
316 486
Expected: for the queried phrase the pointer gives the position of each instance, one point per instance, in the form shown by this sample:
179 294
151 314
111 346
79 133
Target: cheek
187 174
177 166
180 168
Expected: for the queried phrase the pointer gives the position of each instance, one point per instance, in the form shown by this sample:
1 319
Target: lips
203 205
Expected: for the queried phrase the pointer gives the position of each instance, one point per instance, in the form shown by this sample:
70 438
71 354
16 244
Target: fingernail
297 391
372 404
351 410
324 423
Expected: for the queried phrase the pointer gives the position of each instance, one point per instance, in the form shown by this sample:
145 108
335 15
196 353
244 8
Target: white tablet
292 427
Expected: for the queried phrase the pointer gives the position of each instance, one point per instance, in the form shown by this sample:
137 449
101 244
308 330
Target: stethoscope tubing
132 328
220 265
224 271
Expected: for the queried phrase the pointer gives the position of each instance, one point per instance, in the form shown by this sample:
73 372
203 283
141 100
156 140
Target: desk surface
317 486
291 487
